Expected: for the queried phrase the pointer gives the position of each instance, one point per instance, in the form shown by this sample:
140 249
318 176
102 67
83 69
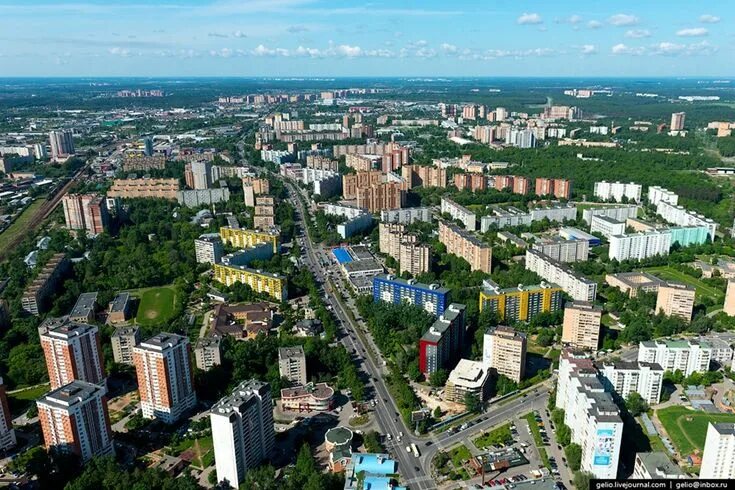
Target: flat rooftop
163 341
71 394
84 305
411 283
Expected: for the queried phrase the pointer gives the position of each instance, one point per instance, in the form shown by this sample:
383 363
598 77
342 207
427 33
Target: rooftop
468 373
245 393
411 283
125 331
442 323
71 394
84 305
320 391
291 352
657 464
119 302
163 341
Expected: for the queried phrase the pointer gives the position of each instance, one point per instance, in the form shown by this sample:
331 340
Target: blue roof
376 464
342 255
378 483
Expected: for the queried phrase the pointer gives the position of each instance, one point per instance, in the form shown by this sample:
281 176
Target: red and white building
72 351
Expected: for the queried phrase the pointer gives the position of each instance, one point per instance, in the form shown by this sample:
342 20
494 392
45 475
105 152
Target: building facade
581 328
676 299
718 459
521 303
467 246
391 289
72 351
292 364
687 356
504 350
441 346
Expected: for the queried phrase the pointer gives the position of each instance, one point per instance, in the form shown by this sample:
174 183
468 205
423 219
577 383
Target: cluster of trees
695 379
304 475
726 146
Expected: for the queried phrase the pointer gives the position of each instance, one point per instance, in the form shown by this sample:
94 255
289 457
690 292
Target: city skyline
324 38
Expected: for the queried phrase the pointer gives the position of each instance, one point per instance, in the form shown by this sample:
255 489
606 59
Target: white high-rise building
640 246
658 194
208 249
678 215
687 356
607 226
62 143
718 459
677 121
608 191
591 414
202 173
242 431
643 378
521 138
578 287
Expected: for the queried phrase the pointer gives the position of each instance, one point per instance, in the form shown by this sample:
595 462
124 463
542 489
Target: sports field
156 305
688 428
667 273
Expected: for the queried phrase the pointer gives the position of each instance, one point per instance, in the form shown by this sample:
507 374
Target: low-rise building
656 466
308 398
85 309
242 321
631 283
467 378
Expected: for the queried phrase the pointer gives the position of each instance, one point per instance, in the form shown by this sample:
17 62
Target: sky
356 38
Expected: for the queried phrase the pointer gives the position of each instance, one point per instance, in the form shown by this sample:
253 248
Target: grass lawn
203 449
20 225
665 272
688 428
21 400
359 420
156 305
459 455
497 436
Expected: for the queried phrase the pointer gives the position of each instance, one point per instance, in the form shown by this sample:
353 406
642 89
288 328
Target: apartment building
458 212
581 327
559 188
165 378
142 188
86 212
292 364
521 303
729 307
563 250
360 180
391 289
677 121
591 414
424 176
619 213
554 212
407 215
74 419
414 258
718 459
7 434
252 187
504 218
644 378
656 466
631 283
504 350
578 287
35 296
208 352
241 238
472 182
391 235
208 249
441 346
72 351
607 226
364 163
658 194
62 143
678 215
386 195
242 431
275 285
467 246
687 356
467 378
124 339
675 299
617 191
639 246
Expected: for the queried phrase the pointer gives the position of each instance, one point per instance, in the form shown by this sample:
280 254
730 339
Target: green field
20 225
156 305
667 273
688 428
21 400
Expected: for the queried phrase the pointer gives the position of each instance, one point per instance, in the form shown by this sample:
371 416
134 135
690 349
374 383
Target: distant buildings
460 213
467 378
677 121
678 215
242 431
563 250
208 353
241 238
467 246
201 171
62 143
718 459
658 194
72 351
617 212
143 188
581 327
504 350
521 303
292 364
208 249
86 212
412 256
406 215
74 420
441 346
253 187
578 287
729 307
675 300
639 246
165 378
608 191
390 289
687 356
124 339
559 188
424 176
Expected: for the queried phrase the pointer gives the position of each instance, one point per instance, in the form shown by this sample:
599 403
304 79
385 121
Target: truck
415 450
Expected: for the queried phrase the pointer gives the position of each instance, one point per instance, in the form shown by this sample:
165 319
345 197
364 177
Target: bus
415 450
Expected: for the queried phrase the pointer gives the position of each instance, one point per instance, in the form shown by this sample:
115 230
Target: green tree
635 404
438 412
439 377
261 478
582 480
563 435
574 456
472 402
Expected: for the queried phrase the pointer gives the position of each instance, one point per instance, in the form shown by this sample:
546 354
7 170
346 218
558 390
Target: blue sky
356 38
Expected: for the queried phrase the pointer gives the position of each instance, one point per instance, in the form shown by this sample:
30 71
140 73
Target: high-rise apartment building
563 250
441 346
74 419
242 238
165 380
718 459
292 364
618 191
658 194
62 143
35 296
385 195
504 350
86 212
124 339
676 299
729 307
202 174
458 212
521 303
578 287
581 327
72 351
208 249
687 356
391 289
467 246
639 246
208 352
559 188
472 182
242 431
424 176
7 434
677 121
414 258
644 378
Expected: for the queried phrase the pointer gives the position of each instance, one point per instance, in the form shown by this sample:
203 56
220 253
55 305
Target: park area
702 289
156 305
687 428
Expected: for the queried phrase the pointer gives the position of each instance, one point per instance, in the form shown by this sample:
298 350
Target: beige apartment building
675 300
390 237
424 176
386 195
729 307
467 246
138 188
581 327
504 350
292 364
413 257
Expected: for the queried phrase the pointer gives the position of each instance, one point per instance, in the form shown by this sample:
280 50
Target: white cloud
620 20
349 51
239 34
574 19
594 24
311 52
623 49
529 18
589 49
448 48
709 19
692 32
674 49
222 53
637 33
117 51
